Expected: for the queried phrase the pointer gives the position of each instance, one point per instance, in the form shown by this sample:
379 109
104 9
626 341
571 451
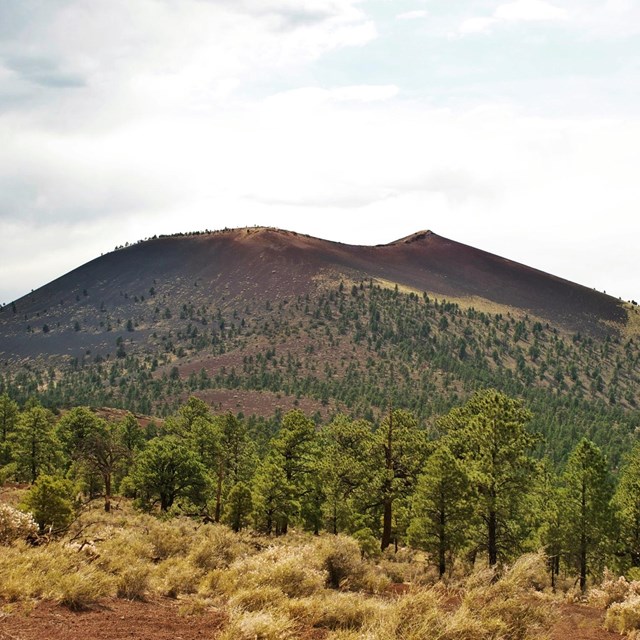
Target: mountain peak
414 237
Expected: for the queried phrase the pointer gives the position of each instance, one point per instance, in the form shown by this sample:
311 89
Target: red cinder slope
256 265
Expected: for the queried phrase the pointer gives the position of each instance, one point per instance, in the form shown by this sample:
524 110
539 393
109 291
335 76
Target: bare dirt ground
163 619
580 622
159 619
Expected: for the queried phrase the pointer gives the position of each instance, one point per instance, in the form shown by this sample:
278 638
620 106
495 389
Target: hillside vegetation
476 487
355 530
303 439
356 349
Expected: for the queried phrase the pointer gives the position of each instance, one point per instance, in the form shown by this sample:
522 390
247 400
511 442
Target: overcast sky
512 126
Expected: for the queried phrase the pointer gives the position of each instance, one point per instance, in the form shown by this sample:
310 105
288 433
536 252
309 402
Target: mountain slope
253 267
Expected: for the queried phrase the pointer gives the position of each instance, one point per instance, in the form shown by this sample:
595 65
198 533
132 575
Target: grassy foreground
275 588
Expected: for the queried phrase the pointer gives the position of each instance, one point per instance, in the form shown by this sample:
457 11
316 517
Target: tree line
353 336
473 485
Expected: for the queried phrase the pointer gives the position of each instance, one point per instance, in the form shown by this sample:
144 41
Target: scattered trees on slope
471 485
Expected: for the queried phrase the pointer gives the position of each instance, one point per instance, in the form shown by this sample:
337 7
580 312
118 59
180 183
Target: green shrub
50 500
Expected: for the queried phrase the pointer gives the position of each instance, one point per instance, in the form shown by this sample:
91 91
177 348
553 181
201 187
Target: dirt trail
161 619
112 620
579 622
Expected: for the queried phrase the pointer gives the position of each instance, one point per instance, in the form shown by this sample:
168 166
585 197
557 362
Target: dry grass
82 588
52 572
338 610
621 598
613 589
15 525
624 617
632 327
258 625
276 588
133 581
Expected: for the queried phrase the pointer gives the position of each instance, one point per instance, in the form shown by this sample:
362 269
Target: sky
509 125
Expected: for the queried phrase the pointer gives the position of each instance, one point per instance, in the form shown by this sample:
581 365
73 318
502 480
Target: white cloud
606 19
313 97
159 56
418 14
476 25
361 172
125 119
530 11
513 12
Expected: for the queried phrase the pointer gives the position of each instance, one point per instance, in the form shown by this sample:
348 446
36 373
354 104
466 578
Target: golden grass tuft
335 610
260 625
176 576
82 588
258 598
170 538
216 547
290 570
133 581
341 558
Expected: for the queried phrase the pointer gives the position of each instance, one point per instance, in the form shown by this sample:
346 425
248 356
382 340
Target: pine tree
442 507
548 510
34 445
102 450
586 497
166 470
235 460
489 434
131 435
74 427
295 448
343 471
626 503
238 506
8 422
183 421
398 452
273 501
50 500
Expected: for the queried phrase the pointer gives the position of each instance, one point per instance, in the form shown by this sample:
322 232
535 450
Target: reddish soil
259 403
113 620
162 620
579 622
252 267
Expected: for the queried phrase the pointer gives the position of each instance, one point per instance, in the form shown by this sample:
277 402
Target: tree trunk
386 524
218 509
492 541
165 502
269 524
107 492
583 540
34 467
442 537
387 515
583 563
442 545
